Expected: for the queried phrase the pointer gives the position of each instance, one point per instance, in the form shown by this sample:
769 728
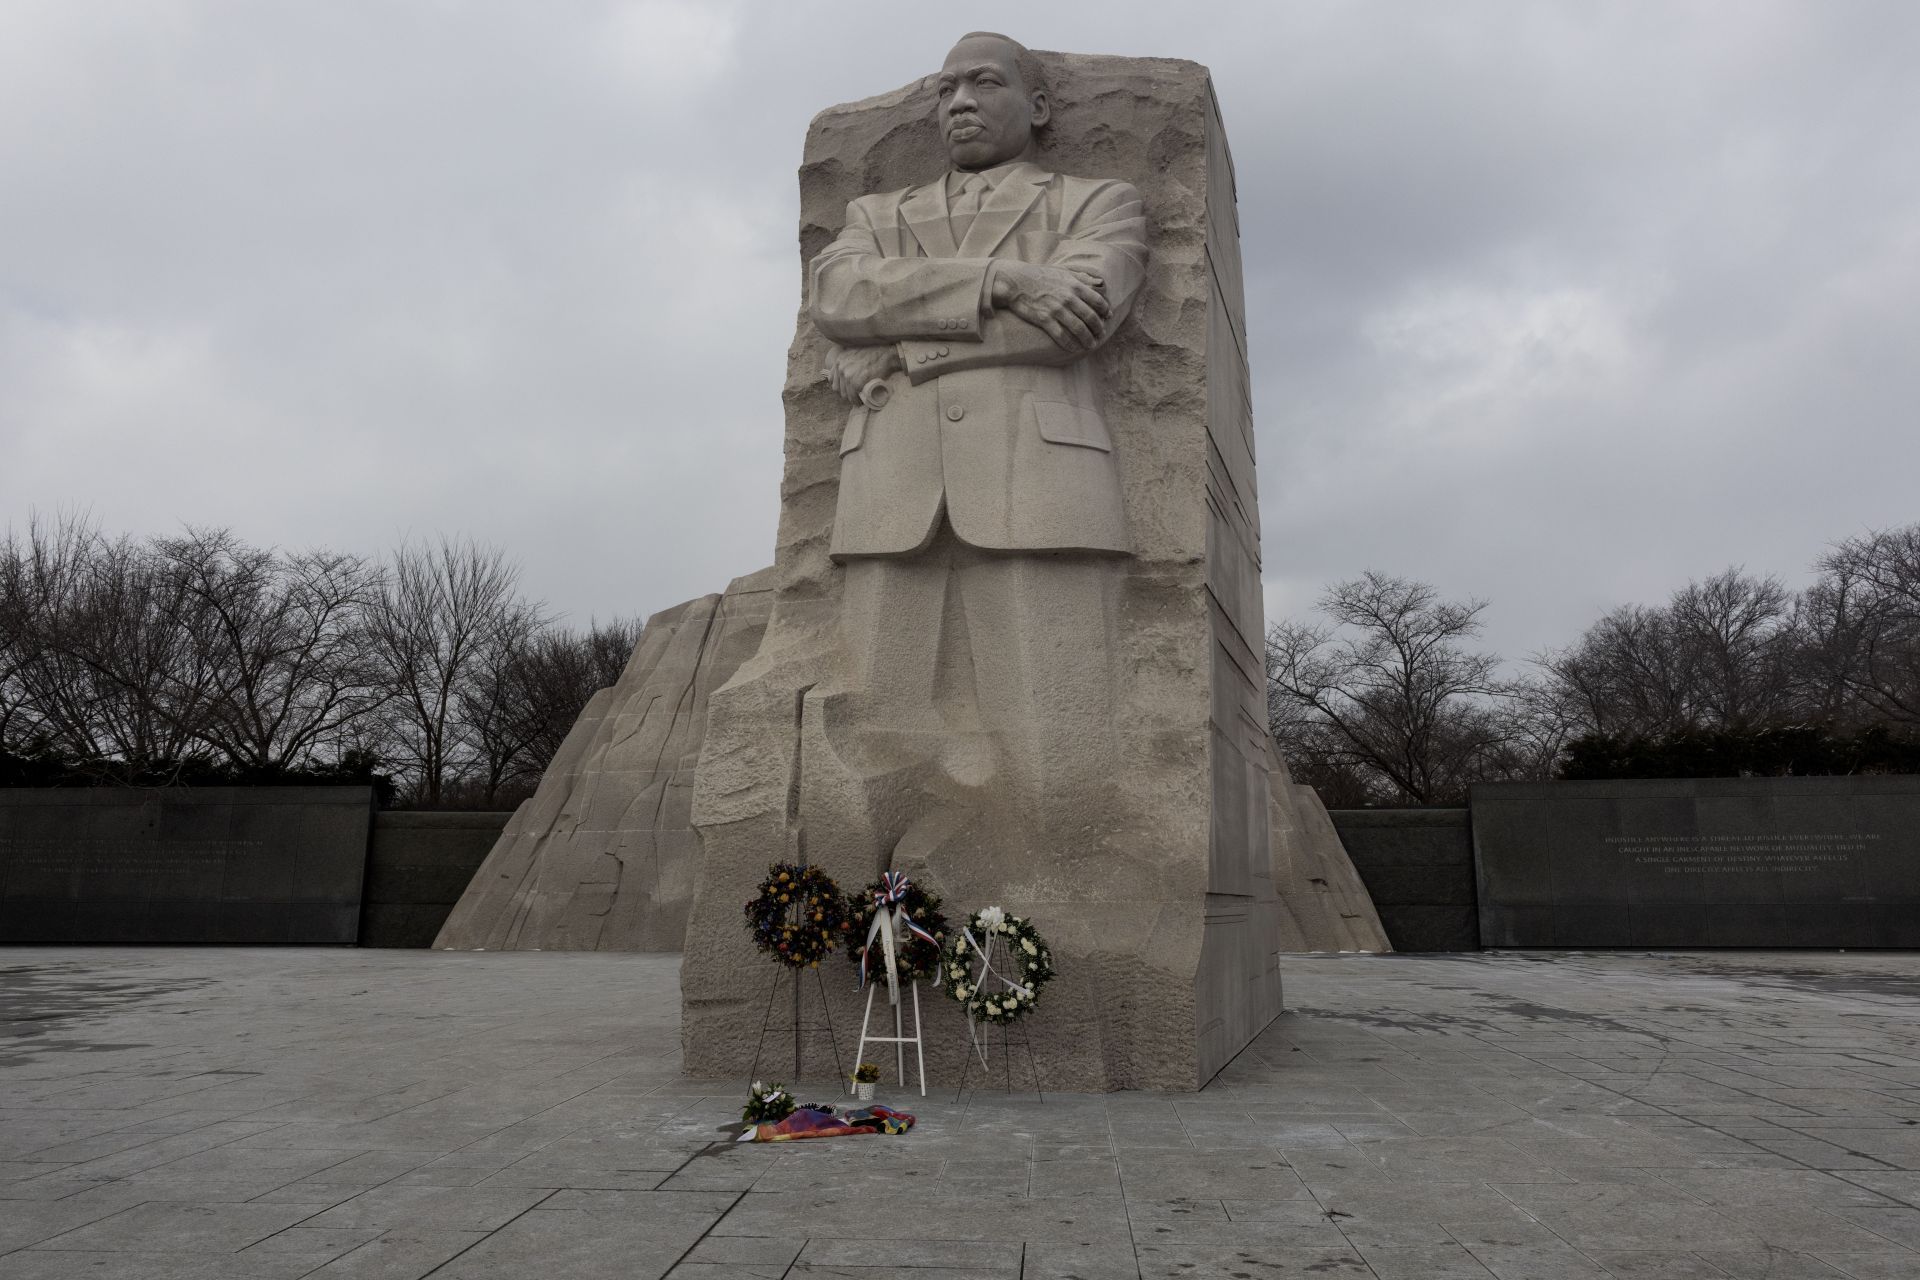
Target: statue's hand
1063 302
851 368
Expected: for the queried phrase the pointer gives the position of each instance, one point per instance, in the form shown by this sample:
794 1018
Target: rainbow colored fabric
810 1123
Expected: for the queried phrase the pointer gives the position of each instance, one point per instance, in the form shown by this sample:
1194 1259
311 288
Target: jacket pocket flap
856 430
1064 423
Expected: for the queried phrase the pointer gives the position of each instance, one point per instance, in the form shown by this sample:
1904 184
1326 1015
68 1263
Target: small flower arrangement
866 1073
767 1104
1005 985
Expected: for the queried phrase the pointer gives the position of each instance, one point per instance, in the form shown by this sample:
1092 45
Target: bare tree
286 639
492 705
1860 627
141 660
100 665
559 671
443 609
1389 691
1721 653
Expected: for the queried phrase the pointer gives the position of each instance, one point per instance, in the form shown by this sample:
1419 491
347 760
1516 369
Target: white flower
991 918
1026 945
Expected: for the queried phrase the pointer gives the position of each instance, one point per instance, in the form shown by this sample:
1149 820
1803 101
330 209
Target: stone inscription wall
1743 862
1417 865
1708 855
117 863
418 865
200 864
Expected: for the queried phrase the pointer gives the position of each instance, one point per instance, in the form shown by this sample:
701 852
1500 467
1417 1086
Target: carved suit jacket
990 417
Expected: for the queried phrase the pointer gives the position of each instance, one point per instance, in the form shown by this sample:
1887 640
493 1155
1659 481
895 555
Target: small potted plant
865 1076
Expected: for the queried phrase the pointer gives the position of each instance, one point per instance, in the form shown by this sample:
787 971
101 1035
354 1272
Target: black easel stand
1008 1038
798 1027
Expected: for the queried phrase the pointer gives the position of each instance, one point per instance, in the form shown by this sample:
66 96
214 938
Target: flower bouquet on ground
767 1104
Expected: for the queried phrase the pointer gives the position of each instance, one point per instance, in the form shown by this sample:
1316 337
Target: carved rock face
986 110
1149 869
603 857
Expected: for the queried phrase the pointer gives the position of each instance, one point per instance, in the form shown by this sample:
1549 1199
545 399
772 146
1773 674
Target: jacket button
922 357
955 413
946 324
943 351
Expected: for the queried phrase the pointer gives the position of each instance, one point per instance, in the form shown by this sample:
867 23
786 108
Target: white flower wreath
995 966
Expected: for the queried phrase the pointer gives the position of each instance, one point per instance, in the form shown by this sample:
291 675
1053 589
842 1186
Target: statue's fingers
1075 326
1055 330
1093 298
1094 321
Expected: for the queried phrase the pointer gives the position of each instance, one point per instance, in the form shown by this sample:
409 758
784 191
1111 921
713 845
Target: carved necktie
966 206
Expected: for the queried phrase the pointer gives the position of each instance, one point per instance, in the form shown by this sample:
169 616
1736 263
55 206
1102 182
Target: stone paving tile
1208 1262
1773 1264
745 1251
405 1253
1244 1173
457 1208
978 1256
1627 1115
621 1240
182 1228
31 1222
813 1271
57 1264
1654 1264
1427 1262
1772 1186
1872 1266
314 1246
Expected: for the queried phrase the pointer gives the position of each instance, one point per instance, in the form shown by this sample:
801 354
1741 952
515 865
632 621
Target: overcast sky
1560 305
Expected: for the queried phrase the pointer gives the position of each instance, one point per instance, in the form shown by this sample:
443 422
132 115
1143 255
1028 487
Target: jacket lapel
1002 210
924 214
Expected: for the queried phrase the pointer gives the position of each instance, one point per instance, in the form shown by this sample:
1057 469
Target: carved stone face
987 113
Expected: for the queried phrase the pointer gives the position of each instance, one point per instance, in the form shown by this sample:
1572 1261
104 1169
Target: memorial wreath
916 935
797 916
996 948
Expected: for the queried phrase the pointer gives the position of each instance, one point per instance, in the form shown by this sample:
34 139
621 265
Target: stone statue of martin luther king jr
976 459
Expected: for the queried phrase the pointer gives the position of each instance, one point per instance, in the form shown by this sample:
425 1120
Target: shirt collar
994 176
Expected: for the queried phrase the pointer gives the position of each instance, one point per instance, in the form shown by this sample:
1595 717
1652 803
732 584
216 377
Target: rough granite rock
1155 887
1323 902
603 857
681 658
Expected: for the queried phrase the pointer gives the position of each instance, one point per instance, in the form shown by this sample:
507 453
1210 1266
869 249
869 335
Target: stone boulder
1324 905
603 857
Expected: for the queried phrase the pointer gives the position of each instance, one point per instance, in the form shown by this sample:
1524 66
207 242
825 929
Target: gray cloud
1556 304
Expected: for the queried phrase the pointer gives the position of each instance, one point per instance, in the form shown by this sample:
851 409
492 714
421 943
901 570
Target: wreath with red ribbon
916 948
797 916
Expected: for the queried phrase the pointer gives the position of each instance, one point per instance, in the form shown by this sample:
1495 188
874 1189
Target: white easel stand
899 1039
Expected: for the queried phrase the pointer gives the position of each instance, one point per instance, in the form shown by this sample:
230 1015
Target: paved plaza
168 1114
